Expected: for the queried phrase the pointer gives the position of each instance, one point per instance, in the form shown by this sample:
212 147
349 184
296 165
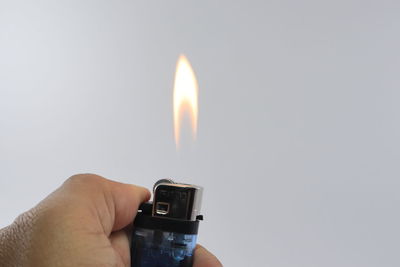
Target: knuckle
86 178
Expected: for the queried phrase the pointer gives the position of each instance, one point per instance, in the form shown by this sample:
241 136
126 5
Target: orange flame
185 96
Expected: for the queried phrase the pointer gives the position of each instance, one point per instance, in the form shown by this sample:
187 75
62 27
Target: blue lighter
165 230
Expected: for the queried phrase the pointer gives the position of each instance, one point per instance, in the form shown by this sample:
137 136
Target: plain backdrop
298 146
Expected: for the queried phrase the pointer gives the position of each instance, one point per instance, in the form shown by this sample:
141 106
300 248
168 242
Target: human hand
80 224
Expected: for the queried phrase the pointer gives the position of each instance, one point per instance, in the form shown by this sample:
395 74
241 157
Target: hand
80 224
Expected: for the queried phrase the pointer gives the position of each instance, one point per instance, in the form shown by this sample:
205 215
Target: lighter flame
185 96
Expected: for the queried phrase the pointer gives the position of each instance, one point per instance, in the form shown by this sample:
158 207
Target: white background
298 146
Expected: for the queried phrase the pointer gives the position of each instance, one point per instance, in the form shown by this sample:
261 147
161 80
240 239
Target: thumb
113 205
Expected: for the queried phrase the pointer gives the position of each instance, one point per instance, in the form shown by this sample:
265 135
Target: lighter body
165 230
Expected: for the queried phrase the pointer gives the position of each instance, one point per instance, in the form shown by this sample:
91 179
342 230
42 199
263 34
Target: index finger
204 258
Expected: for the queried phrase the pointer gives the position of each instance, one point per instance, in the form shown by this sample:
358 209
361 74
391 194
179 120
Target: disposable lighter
165 230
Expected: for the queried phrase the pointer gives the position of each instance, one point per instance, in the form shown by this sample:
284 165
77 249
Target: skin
82 223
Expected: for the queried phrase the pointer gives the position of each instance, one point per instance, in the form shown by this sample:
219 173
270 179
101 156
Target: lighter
165 230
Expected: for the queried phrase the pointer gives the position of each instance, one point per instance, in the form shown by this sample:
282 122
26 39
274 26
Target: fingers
204 258
113 204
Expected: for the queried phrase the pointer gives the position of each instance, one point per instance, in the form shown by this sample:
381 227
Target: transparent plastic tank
154 248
